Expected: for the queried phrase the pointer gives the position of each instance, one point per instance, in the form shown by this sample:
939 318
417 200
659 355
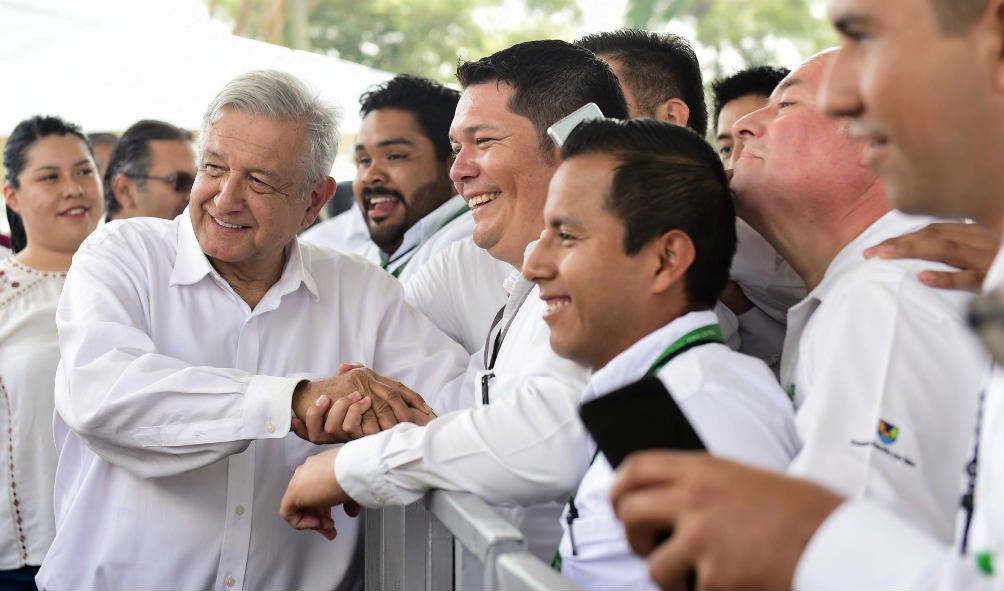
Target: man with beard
402 183
150 172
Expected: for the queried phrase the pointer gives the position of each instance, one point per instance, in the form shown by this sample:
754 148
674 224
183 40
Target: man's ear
318 196
124 189
10 197
673 110
674 254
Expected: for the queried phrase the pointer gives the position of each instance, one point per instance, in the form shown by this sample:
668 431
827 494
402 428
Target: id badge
483 386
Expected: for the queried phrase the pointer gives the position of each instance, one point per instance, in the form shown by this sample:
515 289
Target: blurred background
105 64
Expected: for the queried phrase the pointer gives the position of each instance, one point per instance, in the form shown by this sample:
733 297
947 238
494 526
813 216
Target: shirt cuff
862 545
361 466
268 407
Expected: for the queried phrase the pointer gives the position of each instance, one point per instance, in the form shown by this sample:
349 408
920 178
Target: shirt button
229 581
239 510
270 427
379 499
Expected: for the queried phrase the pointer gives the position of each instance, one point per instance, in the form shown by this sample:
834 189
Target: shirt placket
236 539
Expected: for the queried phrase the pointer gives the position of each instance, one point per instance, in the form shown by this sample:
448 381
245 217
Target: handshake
356 402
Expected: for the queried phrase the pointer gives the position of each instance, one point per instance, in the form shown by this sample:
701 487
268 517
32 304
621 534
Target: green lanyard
397 271
704 335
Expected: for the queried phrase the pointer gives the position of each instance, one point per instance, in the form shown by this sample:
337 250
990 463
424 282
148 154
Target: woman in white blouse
53 196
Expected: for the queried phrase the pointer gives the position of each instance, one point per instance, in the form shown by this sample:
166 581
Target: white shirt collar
633 363
192 265
894 223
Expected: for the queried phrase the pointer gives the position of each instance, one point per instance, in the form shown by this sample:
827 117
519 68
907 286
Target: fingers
410 397
671 566
347 367
315 519
388 404
967 246
967 280
352 508
351 424
648 468
648 514
299 428
314 419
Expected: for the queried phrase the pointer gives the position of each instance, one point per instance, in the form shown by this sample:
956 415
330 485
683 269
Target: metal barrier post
410 548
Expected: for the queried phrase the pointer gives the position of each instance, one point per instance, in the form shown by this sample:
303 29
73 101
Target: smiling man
899 76
521 446
190 346
402 183
638 240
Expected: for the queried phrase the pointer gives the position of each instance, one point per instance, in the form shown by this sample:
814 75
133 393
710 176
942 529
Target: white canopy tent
105 64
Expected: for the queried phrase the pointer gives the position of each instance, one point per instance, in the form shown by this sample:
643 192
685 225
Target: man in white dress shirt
921 81
523 444
185 345
639 236
402 184
871 353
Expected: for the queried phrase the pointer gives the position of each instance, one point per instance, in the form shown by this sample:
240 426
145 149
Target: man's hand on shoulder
970 247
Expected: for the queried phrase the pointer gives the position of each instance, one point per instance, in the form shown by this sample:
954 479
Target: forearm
523 449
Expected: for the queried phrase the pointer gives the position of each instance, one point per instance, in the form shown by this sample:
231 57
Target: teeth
226 225
75 211
378 200
553 305
481 199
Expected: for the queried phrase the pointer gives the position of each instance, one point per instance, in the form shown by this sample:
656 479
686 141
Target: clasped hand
354 403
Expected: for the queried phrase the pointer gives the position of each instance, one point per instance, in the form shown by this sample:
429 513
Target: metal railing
431 544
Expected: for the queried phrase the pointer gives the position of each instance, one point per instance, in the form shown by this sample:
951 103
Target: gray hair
278 95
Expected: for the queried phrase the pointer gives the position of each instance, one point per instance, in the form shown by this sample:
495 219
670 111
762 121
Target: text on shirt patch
887 434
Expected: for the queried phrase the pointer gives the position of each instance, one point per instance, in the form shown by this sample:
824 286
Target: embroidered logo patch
887 432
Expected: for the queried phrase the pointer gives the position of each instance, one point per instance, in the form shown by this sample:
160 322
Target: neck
644 324
250 284
44 260
810 242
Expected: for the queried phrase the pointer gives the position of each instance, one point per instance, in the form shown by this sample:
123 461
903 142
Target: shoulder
336 271
131 234
893 287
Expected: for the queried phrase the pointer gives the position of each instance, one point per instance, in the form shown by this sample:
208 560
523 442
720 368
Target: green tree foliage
421 37
751 28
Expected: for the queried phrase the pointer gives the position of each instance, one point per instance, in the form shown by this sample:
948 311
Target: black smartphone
641 415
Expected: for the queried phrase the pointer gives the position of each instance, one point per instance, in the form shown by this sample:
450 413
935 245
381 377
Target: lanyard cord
384 263
704 335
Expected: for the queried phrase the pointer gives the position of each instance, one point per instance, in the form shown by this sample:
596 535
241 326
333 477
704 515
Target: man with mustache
402 182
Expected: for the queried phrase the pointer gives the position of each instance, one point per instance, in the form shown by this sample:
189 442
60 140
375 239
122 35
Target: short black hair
756 81
432 104
656 68
668 178
550 80
131 155
15 155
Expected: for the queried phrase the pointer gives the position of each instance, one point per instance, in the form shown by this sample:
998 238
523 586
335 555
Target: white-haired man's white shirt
173 409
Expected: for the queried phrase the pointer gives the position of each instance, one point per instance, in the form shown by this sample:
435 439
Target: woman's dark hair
15 153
